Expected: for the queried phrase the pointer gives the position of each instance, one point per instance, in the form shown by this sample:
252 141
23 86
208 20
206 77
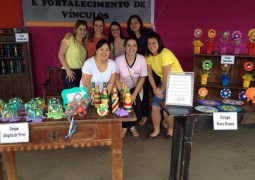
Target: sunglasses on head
78 22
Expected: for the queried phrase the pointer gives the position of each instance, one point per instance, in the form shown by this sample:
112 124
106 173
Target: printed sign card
225 121
179 90
14 133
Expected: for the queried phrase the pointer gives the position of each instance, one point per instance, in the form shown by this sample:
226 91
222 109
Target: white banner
72 10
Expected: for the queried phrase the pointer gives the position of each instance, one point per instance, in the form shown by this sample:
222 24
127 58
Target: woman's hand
70 75
158 92
68 35
133 97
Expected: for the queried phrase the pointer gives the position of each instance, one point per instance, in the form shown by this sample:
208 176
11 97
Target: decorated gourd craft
115 100
128 102
104 97
122 92
92 94
97 97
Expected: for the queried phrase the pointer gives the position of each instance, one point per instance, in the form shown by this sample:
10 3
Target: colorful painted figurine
97 97
128 102
250 94
55 109
1 106
102 110
115 100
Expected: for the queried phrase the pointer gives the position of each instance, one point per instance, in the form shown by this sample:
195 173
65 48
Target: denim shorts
157 100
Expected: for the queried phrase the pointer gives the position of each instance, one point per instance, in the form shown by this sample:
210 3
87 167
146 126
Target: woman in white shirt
99 68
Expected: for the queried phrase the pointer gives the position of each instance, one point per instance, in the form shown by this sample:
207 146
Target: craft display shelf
214 82
15 69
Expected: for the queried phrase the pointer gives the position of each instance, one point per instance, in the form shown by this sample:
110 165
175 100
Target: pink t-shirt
138 69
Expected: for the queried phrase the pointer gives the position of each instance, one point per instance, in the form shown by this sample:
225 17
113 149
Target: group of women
90 57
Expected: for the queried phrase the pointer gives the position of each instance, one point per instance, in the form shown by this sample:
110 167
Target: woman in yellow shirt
161 61
72 54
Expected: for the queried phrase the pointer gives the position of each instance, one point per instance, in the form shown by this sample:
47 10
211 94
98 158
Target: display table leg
117 165
10 163
175 153
186 147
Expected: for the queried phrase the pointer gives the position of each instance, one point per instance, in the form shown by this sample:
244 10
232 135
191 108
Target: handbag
141 90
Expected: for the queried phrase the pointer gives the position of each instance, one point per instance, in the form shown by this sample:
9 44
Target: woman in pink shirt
95 36
131 69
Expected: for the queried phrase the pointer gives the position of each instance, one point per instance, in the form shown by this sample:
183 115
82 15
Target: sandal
134 131
143 121
124 131
164 124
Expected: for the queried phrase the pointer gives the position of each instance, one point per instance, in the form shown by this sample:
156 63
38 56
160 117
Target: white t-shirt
89 67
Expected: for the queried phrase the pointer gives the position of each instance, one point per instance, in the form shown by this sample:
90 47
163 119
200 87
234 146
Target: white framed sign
180 88
14 132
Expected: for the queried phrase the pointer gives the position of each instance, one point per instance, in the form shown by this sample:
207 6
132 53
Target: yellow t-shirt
165 57
75 54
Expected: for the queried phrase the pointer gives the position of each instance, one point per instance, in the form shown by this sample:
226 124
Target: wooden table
185 120
92 130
